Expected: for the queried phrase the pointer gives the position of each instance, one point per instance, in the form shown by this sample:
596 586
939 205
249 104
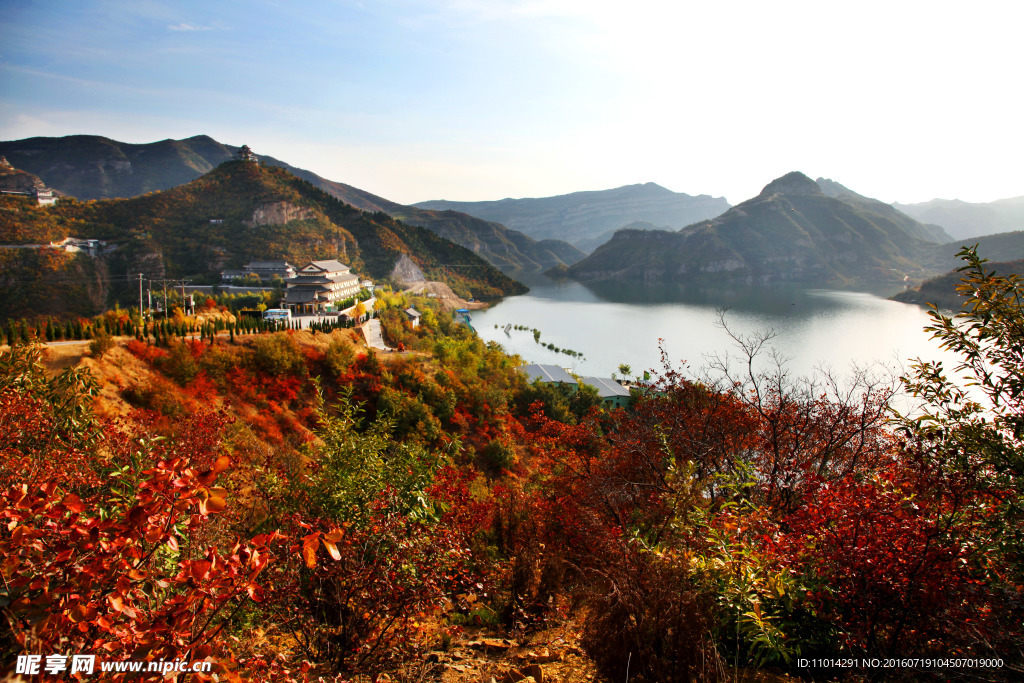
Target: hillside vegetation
292 507
509 250
942 291
238 212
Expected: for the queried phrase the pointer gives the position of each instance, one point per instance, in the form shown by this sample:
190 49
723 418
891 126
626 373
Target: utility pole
142 316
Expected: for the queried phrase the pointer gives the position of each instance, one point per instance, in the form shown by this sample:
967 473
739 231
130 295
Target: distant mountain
238 212
94 167
581 216
507 249
964 220
930 233
792 231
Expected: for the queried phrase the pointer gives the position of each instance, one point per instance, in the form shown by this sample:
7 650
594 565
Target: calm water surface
613 323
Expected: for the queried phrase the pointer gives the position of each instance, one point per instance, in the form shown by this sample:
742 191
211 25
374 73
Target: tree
977 428
624 370
988 333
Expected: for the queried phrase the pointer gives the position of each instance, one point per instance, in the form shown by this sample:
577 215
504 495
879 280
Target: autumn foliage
293 508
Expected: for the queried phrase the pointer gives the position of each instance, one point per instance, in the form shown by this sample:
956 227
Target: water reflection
613 323
777 299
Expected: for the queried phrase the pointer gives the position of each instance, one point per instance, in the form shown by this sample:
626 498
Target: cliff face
277 213
406 272
16 180
791 231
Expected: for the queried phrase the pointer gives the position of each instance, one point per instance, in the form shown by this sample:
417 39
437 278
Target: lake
612 323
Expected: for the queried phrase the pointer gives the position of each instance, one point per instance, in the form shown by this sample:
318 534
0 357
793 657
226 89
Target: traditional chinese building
319 286
246 154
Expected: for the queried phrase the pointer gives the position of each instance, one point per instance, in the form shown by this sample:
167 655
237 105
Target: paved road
373 335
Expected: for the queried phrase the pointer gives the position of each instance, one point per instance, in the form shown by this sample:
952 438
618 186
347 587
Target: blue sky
485 99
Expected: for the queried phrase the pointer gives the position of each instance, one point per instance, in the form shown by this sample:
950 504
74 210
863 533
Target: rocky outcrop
277 213
14 180
406 272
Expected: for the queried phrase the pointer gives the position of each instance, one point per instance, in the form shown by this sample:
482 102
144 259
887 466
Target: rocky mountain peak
792 183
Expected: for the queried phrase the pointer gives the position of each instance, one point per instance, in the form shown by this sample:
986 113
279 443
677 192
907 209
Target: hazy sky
485 99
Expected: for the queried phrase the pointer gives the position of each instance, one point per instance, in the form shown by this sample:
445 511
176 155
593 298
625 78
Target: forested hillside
238 212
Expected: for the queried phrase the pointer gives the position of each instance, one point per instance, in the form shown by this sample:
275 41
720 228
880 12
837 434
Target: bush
497 456
101 344
645 615
158 396
278 354
180 363
339 357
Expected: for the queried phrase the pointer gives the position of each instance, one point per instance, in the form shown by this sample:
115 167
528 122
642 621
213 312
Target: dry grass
60 357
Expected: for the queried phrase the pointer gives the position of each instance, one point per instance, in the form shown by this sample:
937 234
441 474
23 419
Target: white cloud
189 27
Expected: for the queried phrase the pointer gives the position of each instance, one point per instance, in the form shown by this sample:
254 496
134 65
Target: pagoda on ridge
246 154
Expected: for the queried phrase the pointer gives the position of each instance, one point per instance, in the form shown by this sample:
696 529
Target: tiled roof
321 279
606 386
547 373
268 265
330 265
300 296
412 312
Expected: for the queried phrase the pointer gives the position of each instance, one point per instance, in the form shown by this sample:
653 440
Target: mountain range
827 233
94 167
792 231
588 219
964 220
